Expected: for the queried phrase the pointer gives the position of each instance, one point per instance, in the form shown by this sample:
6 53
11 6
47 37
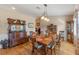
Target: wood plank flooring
25 49
67 49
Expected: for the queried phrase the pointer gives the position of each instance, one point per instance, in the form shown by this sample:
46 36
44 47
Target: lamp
45 17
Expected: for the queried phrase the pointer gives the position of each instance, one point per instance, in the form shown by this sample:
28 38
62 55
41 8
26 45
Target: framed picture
30 25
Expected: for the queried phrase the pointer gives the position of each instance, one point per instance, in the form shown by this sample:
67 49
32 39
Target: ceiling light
46 19
42 17
45 16
13 8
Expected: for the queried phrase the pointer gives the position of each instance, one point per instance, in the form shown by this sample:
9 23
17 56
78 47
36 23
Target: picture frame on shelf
13 28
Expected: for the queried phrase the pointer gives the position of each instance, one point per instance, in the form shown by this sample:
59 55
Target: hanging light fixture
45 16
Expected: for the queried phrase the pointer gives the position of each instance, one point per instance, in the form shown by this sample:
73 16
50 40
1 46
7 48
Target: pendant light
45 16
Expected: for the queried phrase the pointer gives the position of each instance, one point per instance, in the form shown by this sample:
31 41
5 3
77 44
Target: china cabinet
16 32
70 28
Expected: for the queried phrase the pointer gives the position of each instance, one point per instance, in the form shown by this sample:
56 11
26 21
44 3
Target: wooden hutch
52 28
16 32
55 29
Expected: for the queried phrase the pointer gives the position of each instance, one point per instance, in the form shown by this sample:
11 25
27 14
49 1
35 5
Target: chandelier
45 16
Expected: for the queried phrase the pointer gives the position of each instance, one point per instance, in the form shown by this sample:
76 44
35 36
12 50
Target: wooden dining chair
51 47
58 43
33 43
36 47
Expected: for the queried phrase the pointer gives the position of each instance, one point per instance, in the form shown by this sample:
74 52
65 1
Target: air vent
37 7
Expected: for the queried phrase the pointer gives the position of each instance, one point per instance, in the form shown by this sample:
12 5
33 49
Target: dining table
44 41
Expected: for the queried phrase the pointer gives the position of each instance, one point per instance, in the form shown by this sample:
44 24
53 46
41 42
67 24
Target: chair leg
54 51
32 51
51 51
47 51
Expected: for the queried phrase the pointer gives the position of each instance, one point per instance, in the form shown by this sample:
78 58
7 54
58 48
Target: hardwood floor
18 50
67 49
25 49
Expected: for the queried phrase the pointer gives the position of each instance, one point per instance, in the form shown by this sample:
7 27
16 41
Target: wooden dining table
45 41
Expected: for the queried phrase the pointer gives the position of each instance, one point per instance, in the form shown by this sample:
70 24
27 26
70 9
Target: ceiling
57 10
38 9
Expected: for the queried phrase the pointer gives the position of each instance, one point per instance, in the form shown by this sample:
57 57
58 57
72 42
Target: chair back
33 38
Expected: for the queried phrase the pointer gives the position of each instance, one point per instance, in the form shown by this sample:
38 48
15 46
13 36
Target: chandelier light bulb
48 20
42 17
45 19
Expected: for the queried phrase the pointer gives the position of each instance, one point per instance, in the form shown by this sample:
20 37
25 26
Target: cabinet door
69 36
17 37
12 39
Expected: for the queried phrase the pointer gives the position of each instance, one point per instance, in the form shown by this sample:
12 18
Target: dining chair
33 40
39 48
51 47
36 47
58 43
